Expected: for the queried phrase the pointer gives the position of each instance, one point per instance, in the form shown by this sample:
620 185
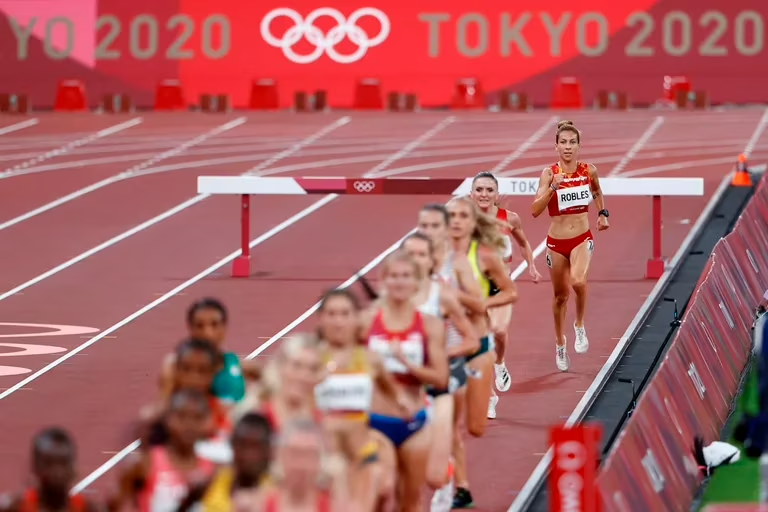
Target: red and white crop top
412 342
574 193
501 214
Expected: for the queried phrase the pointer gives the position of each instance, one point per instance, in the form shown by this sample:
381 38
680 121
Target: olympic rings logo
364 186
325 43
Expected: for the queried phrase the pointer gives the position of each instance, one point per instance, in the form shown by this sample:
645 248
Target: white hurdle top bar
255 185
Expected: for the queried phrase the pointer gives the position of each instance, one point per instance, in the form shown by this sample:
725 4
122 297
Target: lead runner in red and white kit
565 190
485 194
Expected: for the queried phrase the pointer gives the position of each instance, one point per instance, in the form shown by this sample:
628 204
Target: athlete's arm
469 293
544 193
131 479
452 309
516 226
384 381
597 192
435 373
496 270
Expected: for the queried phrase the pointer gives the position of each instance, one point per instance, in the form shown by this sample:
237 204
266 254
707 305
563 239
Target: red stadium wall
651 465
120 46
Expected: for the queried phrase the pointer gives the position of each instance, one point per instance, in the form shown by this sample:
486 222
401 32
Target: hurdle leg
655 267
241 267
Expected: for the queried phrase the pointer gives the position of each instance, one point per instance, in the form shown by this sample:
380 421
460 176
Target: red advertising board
419 47
650 465
572 481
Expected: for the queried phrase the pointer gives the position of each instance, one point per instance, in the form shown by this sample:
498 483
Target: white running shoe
582 343
503 379
492 407
562 359
442 499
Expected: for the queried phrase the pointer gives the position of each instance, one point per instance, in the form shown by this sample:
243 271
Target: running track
82 261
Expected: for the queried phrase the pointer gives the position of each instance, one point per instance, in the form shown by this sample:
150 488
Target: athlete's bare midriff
564 227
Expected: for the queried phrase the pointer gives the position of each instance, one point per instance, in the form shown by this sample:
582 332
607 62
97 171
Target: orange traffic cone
741 177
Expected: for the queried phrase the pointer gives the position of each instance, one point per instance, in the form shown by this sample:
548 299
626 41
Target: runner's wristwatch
604 213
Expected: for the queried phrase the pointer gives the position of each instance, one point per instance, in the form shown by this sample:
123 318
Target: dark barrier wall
423 47
651 466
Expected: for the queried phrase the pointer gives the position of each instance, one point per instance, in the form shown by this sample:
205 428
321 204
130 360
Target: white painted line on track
380 170
641 142
753 140
136 229
72 145
183 286
19 126
525 146
118 177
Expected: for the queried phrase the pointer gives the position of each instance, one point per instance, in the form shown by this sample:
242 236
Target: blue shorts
398 430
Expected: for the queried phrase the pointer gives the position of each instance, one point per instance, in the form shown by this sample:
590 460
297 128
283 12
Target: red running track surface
98 391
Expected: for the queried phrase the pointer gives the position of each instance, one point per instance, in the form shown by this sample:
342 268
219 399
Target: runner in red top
485 194
53 466
565 190
159 477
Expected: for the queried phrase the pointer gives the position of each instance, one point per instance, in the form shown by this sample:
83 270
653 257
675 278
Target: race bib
352 392
573 196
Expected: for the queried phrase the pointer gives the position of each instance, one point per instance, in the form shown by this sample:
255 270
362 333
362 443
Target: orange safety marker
741 177
70 96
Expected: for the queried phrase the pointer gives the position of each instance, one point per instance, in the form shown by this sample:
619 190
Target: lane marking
149 223
525 146
535 481
71 145
123 175
753 140
19 126
50 330
639 144
183 286
379 170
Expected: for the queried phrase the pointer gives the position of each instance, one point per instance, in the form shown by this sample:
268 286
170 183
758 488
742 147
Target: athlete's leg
442 441
580 259
559 269
479 387
500 318
462 498
412 457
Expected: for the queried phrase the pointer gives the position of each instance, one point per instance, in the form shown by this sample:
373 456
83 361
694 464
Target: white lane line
641 142
753 140
379 170
534 482
525 146
295 148
19 126
123 175
66 148
127 234
183 286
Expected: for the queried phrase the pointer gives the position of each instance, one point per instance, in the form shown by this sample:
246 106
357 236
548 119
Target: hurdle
246 186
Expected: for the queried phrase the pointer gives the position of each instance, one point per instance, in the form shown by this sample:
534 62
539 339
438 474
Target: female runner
485 194
435 297
160 476
454 267
345 396
289 383
565 190
195 365
475 234
412 346
207 320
